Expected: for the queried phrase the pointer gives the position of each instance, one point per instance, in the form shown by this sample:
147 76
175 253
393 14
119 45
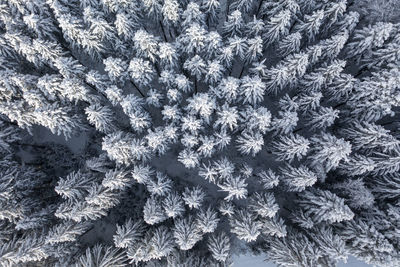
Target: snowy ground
248 260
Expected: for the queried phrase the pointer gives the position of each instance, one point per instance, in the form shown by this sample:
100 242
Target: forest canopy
183 132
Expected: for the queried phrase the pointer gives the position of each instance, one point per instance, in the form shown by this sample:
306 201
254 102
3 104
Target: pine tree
141 71
142 173
273 226
244 225
219 246
331 245
322 118
193 197
329 151
152 211
170 11
289 147
128 233
116 180
162 242
285 123
66 232
311 24
269 179
101 117
226 208
185 233
358 165
160 186
368 243
253 89
79 211
193 40
277 27
368 136
263 204
357 193
250 143
102 197
29 248
101 256
207 220
386 186
192 14
368 38
227 117
75 186
117 146
234 24
324 206
294 250
211 7
387 10
257 119
116 69
188 158
290 44
145 45
173 205
235 186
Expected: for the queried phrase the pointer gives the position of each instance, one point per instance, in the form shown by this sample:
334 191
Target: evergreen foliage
177 132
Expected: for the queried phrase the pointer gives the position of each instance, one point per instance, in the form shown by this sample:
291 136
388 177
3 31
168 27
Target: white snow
249 260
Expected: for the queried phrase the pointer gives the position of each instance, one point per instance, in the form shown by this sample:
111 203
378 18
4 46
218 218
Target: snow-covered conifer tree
160 186
162 242
250 143
173 205
324 206
297 179
245 226
329 151
141 71
128 233
142 173
252 89
234 24
189 158
356 192
367 242
152 211
219 246
269 179
235 186
366 39
207 220
311 24
277 26
66 232
193 197
102 256
118 147
264 204
290 147
295 249
75 186
226 208
274 226
185 233
101 117
290 44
